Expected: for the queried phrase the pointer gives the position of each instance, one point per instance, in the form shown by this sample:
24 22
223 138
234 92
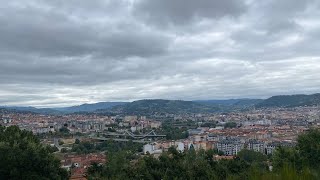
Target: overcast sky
68 52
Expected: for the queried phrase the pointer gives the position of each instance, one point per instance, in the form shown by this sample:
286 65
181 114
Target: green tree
64 150
251 156
23 157
304 158
64 130
117 166
95 170
230 125
285 156
309 147
60 142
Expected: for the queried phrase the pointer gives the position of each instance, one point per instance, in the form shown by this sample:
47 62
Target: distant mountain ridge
231 102
290 101
72 109
161 106
165 105
90 107
30 109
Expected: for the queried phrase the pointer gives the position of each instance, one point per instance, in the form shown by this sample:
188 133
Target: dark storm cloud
59 53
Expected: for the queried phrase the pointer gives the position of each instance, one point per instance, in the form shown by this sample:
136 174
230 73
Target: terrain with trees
300 162
22 156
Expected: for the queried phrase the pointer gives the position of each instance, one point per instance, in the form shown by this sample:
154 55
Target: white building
148 148
256 145
180 146
230 146
151 149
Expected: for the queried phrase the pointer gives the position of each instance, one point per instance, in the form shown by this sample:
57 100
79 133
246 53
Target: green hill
291 101
159 106
231 102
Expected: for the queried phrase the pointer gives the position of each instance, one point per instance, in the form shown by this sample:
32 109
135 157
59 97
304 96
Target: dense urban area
96 145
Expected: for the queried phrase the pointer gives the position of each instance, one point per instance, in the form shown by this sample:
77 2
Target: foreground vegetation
109 146
298 163
23 157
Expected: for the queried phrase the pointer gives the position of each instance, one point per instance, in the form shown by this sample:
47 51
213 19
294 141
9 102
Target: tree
64 150
53 149
301 161
230 125
111 130
257 160
95 170
309 147
285 156
23 157
60 142
64 130
251 156
117 165
305 155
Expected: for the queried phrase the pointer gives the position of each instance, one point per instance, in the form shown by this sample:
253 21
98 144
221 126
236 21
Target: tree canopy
23 157
309 147
230 125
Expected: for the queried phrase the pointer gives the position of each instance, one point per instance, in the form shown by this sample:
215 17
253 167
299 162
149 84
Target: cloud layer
60 53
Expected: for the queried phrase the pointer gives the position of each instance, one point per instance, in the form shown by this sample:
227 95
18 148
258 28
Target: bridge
151 134
120 140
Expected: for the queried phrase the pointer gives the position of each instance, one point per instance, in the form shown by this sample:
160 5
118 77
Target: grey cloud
278 16
78 71
179 12
55 33
60 53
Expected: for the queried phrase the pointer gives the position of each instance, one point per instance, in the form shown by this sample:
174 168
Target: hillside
231 102
64 110
227 102
247 102
290 101
159 106
30 110
90 107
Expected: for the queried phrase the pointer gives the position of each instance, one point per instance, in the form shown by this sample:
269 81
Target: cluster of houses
264 139
78 164
45 124
229 146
